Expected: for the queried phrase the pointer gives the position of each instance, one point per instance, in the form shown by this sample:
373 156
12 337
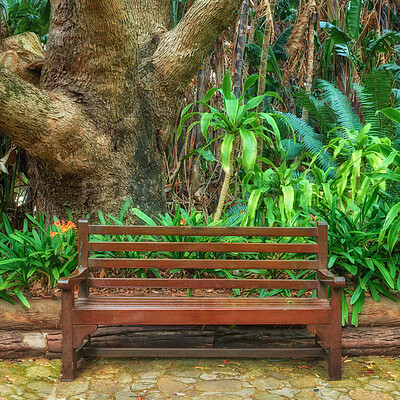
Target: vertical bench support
335 349
68 352
83 238
335 332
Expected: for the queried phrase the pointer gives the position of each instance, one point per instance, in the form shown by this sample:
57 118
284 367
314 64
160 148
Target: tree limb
49 126
182 50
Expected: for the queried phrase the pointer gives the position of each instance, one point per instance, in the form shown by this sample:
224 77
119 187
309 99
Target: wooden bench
83 312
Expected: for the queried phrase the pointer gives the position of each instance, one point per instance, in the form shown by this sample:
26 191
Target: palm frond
376 95
311 140
346 117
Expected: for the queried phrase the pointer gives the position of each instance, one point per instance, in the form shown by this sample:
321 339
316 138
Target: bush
35 252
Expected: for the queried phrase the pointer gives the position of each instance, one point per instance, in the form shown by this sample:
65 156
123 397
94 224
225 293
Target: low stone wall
36 332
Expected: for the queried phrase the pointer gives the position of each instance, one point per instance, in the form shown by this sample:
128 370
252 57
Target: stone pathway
365 378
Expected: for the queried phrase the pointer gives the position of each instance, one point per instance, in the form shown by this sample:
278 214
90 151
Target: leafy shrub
28 16
35 252
358 201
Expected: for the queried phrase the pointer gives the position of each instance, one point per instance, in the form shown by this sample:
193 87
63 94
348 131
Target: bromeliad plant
238 121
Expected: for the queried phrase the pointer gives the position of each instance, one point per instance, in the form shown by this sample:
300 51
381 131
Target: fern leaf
311 140
376 95
346 117
318 110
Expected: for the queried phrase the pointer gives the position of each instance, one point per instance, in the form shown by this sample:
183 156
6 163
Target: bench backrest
99 254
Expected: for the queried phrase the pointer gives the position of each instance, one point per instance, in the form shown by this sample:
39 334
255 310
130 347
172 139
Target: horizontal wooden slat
205 283
199 311
172 302
205 247
201 264
214 353
198 316
201 231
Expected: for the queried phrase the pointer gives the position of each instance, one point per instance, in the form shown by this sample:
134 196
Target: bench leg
335 347
335 363
68 352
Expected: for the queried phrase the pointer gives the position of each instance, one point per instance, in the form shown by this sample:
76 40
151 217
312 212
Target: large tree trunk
108 99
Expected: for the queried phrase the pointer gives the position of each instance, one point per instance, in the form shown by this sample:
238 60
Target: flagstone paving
364 378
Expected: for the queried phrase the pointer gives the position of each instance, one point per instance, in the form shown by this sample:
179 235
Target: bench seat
199 311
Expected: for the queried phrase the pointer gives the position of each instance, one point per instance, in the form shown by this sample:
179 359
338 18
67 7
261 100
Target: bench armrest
68 282
326 277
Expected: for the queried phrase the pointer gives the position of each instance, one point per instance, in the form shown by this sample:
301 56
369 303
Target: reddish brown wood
327 278
322 331
200 264
323 254
83 255
80 332
79 319
205 283
213 353
200 231
204 311
70 281
68 352
335 348
205 247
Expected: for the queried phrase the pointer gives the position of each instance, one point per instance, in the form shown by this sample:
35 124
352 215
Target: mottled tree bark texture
97 123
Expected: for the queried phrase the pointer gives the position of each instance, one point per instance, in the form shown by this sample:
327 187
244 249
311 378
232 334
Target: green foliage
9 174
376 94
361 51
332 116
353 18
363 216
312 142
237 120
345 115
35 252
277 195
28 16
354 250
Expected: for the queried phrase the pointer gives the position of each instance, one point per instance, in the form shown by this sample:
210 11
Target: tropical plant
9 178
361 48
332 116
355 252
237 120
28 16
37 252
280 195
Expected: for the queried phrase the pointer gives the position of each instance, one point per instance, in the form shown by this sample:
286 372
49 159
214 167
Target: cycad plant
239 125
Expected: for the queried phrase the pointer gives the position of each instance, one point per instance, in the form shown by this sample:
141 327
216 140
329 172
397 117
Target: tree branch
49 126
182 50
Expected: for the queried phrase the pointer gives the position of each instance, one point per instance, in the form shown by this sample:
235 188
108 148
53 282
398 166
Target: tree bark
17 344
240 48
24 332
361 341
97 126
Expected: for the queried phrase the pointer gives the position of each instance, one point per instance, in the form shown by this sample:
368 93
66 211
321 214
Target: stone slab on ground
364 378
